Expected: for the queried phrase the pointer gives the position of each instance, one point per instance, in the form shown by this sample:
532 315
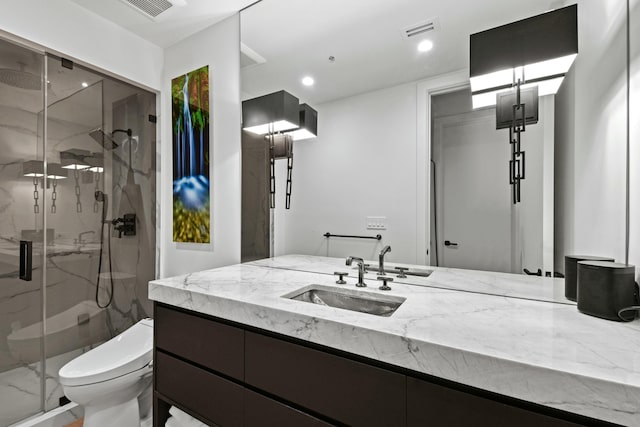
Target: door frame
450 82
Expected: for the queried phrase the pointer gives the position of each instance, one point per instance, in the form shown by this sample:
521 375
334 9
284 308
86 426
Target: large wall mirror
400 151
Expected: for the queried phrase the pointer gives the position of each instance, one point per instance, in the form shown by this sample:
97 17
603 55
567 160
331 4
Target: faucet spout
80 240
383 252
361 268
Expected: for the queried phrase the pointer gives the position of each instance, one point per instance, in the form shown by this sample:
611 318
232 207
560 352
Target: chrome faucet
360 263
80 240
383 252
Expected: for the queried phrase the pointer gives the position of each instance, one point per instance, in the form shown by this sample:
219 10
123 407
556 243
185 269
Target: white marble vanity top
536 350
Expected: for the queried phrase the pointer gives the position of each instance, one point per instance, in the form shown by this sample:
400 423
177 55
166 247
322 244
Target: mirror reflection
400 151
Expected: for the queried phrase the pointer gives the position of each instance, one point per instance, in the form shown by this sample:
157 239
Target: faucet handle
340 281
401 270
385 286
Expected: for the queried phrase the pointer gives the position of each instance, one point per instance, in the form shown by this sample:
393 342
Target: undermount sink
348 299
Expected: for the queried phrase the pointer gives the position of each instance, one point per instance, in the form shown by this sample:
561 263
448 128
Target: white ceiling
296 38
171 26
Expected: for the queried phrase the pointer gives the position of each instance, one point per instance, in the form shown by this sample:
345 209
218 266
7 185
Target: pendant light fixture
511 65
74 159
282 120
536 51
275 112
308 127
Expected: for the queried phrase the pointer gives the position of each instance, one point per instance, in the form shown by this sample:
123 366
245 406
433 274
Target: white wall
592 135
363 163
66 27
219 47
634 256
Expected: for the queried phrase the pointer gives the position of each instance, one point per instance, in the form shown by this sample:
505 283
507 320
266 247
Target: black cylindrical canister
571 272
604 288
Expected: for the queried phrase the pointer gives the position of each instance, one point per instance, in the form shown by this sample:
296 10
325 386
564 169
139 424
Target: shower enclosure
77 218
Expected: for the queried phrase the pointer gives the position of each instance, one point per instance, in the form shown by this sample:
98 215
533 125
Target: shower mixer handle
125 225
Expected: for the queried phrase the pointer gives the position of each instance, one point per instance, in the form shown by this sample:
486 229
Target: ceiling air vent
151 8
420 28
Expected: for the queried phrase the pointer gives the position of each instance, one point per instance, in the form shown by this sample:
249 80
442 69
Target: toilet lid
123 354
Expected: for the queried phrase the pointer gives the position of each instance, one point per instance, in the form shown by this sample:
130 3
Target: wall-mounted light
308 124
535 51
74 159
275 112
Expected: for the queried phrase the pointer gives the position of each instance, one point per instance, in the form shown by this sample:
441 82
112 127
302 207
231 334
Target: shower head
103 139
20 78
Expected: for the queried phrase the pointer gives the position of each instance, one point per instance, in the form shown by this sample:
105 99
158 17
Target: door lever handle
26 257
448 243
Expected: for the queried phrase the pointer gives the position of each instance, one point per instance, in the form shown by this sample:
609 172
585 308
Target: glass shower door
22 208
75 323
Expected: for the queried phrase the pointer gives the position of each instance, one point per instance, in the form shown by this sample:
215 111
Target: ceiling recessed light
308 81
85 84
425 46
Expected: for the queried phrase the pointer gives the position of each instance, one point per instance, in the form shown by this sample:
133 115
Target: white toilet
108 380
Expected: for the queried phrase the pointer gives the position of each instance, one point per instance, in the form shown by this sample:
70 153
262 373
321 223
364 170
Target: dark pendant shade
538 51
56 171
275 112
308 124
74 158
35 169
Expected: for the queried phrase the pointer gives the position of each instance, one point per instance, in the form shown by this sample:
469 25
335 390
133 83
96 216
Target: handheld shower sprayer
104 199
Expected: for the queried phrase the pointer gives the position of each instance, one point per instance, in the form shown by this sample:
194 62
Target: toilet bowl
108 380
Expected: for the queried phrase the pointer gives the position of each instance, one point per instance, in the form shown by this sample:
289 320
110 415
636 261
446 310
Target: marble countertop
538 350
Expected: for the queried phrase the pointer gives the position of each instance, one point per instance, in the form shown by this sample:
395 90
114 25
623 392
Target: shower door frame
39 155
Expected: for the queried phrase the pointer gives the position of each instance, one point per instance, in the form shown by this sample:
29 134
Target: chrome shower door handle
26 259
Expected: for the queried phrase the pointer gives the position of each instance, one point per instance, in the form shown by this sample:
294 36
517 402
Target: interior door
473 192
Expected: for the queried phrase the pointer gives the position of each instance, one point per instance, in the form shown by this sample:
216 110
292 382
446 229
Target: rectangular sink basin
348 299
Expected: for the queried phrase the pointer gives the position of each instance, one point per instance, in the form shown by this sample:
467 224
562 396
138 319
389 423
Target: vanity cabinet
433 404
350 392
231 375
260 411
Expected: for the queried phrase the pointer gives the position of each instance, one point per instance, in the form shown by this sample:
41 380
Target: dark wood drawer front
344 390
206 342
261 411
433 405
202 392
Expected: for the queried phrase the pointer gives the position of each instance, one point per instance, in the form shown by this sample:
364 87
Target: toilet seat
126 353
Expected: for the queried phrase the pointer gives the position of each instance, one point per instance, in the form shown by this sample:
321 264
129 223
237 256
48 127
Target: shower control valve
126 225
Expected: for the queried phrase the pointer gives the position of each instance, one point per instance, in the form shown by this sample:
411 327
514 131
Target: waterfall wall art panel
191 178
